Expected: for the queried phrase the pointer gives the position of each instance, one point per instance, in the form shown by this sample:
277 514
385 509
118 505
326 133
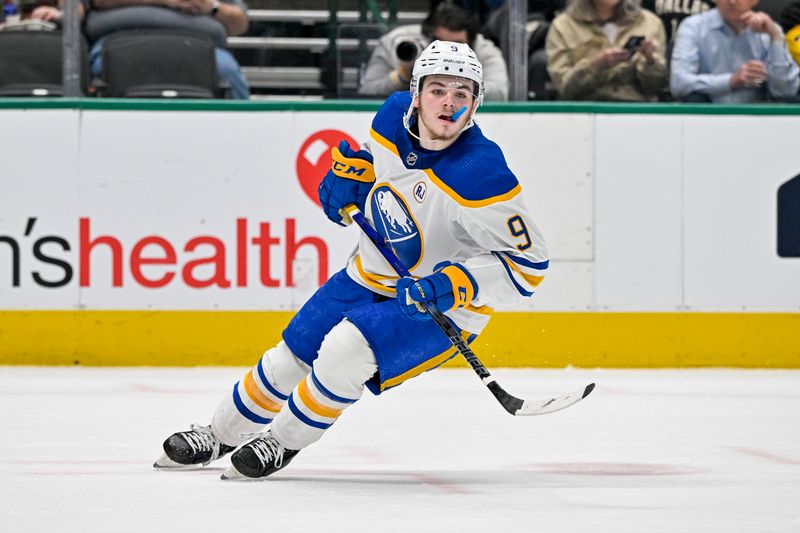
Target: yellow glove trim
463 291
351 168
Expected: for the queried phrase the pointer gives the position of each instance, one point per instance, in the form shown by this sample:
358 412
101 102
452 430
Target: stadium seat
159 64
31 63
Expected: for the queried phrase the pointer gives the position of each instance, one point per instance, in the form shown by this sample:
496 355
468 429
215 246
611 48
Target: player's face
441 98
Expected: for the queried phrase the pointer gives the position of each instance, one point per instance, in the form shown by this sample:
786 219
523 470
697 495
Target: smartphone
633 43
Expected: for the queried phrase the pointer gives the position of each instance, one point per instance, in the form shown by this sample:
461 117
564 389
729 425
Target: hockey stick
512 404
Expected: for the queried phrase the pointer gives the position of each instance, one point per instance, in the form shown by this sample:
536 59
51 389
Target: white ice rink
648 451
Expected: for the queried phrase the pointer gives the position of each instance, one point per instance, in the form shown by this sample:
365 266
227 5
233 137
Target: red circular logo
314 159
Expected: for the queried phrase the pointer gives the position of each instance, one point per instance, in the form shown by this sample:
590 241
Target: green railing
373 105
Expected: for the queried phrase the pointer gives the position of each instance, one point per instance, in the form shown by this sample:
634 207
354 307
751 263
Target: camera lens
407 51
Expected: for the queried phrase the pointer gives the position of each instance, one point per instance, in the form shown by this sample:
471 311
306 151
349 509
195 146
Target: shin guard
259 396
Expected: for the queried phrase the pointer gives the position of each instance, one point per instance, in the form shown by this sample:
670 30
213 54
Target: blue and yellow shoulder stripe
473 171
475 174
390 115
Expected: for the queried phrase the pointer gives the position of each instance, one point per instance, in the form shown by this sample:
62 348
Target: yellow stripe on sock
313 404
257 396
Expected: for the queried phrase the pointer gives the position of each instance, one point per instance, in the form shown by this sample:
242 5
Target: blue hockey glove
450 287
347 182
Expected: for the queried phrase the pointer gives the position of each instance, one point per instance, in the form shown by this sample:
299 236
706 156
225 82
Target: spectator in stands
389 67
790 22
477 8
672 13
587 57
41 15
215 18
732 54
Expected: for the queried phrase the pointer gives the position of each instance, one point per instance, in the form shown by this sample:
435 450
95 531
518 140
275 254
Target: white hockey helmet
449 59
446 58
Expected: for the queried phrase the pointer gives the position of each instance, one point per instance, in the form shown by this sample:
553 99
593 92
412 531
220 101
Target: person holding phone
607 50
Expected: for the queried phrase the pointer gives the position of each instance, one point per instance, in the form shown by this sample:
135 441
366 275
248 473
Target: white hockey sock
259 396
337 380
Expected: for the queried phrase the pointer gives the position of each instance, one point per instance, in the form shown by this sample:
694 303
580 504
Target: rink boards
188 234
521 339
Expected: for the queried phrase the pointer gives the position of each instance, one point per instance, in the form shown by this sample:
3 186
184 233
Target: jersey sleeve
515 260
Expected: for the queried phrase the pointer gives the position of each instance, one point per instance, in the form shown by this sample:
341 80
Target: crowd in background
592 50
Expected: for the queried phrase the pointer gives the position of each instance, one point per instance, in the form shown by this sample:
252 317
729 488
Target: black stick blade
543 407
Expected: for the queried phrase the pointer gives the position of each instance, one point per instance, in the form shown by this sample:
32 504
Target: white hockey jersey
461 204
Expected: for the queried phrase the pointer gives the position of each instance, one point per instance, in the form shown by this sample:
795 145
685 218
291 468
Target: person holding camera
607 50
389 68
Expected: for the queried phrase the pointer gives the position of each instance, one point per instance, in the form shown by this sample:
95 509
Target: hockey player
442 195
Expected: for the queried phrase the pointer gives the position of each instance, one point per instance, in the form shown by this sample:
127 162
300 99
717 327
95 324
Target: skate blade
231 474
165 463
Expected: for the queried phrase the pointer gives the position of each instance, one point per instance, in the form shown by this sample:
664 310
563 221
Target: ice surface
648 451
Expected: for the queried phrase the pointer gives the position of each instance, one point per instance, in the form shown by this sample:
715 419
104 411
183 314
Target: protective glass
460 94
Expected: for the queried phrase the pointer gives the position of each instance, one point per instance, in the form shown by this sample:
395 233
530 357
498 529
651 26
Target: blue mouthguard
457 114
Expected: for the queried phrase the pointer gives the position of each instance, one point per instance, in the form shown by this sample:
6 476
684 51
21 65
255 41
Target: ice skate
198 446
259 458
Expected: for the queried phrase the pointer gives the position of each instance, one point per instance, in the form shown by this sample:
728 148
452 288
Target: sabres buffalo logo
396 225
